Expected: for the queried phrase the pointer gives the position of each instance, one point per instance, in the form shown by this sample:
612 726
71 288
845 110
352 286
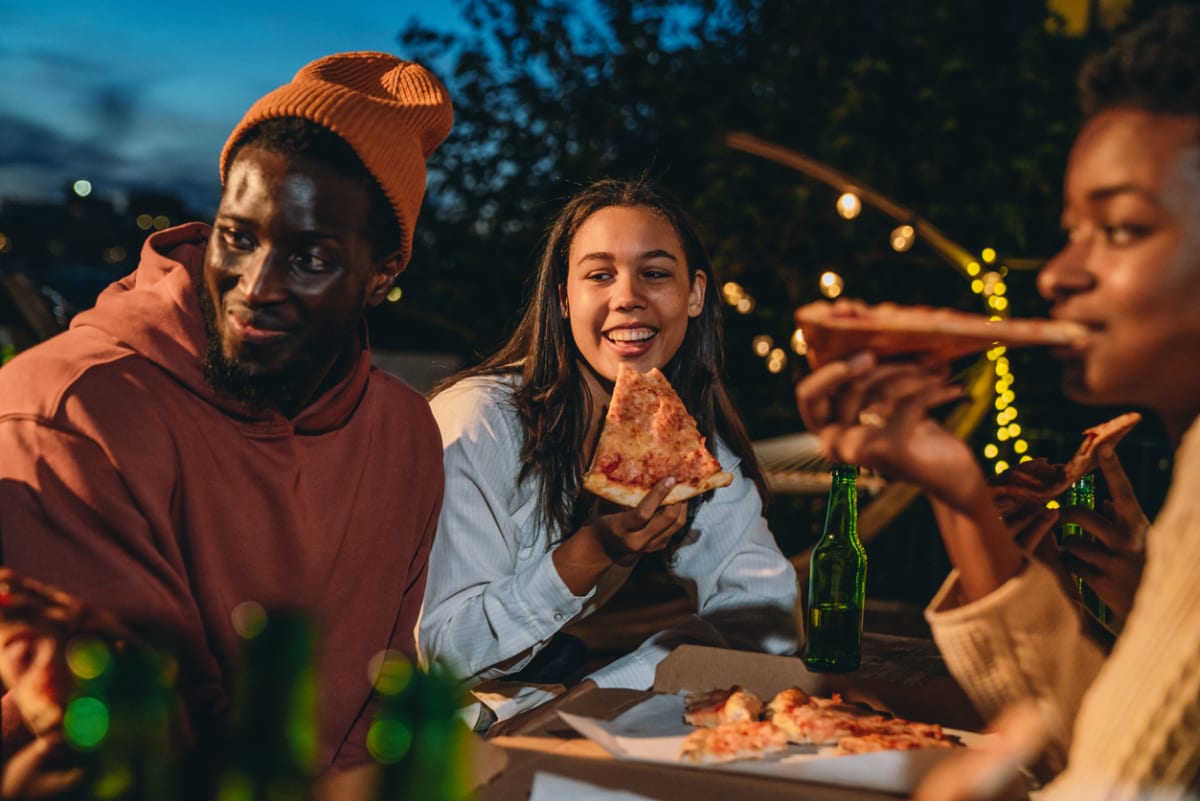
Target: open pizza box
621 739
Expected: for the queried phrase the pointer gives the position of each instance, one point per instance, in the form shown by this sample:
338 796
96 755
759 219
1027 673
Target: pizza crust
835 329
627 495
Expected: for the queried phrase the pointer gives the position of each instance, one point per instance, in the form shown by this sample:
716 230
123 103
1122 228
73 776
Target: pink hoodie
124 479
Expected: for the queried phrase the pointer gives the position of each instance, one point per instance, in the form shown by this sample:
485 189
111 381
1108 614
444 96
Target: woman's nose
1067 272
627 294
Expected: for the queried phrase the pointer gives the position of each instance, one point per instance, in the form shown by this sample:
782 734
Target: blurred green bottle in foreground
272 738
122 721
1083 493
837 582
416 735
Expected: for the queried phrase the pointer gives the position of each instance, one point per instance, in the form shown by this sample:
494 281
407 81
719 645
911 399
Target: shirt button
558 616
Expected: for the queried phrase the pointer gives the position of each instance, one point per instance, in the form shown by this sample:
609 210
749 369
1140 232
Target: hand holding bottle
1112 563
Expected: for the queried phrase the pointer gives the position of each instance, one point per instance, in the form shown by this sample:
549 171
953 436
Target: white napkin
552 787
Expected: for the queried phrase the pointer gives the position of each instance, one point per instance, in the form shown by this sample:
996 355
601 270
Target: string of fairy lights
1006 445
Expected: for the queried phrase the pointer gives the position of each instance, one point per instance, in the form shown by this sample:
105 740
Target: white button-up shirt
494 598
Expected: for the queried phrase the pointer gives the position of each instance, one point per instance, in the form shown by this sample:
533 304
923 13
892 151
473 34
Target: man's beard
260 392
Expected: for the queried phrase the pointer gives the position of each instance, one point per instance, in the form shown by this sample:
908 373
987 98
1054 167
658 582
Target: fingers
815 393
33 773
1124 501
648 527
654 498
1032 526
1113 534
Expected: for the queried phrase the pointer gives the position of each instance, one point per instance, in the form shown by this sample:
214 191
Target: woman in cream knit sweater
1121 725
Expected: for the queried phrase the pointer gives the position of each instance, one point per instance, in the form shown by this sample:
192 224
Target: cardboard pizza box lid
903 675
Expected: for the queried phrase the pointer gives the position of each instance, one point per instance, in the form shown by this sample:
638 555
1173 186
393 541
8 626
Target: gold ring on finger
871 419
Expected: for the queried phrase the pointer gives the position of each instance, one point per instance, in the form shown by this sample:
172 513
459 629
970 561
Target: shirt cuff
546 603
634 671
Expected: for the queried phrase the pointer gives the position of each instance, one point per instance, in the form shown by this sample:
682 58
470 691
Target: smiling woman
522 550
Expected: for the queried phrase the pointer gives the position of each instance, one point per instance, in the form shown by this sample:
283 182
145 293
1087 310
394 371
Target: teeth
630 334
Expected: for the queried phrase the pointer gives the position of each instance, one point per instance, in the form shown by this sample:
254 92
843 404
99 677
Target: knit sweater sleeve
1136 715
1023 641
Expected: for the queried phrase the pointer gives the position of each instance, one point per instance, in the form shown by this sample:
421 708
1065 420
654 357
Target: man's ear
381 282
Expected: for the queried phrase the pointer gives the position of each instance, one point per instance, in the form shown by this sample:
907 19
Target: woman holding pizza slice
1119 726
521 549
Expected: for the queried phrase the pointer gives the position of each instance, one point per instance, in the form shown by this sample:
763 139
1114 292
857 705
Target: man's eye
311 263
236 239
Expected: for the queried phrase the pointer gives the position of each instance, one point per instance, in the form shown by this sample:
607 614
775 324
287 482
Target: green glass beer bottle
837 582
122 720
416 736
272 737
1083 493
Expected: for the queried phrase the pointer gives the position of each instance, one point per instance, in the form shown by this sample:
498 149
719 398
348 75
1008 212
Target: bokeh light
849 205
389 672
903 237
85 722
388 740
88 656
831 284
249 619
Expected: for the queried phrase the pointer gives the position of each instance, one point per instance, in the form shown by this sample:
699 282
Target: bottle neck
1083 492
841 516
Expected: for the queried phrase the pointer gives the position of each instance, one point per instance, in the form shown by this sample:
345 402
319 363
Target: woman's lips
630 347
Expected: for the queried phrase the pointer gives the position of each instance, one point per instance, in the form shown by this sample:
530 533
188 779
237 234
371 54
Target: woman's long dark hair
552 401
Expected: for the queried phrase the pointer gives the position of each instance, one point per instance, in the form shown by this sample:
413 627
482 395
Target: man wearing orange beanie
211 437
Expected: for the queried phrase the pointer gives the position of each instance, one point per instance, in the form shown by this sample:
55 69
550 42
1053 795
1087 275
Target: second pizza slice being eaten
649 435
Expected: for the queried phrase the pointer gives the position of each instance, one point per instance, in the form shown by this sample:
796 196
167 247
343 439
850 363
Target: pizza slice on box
836 329
722 705
649 435
729 742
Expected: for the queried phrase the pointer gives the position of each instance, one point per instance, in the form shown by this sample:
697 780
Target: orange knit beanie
393 113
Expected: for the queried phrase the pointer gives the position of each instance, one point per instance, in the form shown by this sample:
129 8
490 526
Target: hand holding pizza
36 622
877 416
616 534
625 533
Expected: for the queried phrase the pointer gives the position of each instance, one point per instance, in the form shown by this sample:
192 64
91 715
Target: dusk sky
143 94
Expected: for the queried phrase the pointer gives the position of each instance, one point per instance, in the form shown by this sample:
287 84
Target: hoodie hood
154 311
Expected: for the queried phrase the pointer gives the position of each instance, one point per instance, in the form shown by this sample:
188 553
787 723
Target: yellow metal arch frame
979 397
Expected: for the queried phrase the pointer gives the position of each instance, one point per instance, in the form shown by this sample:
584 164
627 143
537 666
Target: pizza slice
649 435
895 739
835 329
1039 481
812 719
729 705
733 741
